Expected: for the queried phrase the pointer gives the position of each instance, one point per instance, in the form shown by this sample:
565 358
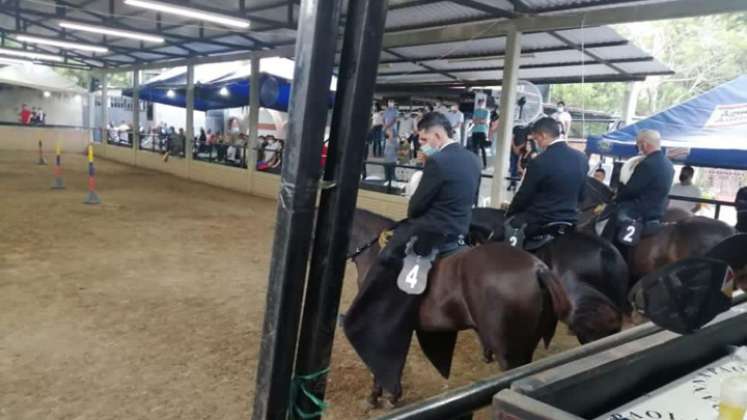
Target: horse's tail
560 305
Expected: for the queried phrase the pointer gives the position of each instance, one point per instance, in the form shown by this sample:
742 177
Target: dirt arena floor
150 305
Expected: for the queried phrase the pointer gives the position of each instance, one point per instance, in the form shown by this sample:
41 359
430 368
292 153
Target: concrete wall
251 182
61 108
27 138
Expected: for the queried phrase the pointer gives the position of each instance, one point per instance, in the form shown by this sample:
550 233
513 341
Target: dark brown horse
508 296
592 270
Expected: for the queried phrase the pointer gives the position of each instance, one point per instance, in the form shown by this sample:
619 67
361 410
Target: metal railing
717 203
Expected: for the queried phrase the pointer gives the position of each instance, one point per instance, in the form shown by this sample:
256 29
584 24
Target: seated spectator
272 154
685 188
600 175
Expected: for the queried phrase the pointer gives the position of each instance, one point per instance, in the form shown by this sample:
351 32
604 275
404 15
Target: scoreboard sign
693 397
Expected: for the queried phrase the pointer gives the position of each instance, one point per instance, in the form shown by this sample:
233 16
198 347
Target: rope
299 383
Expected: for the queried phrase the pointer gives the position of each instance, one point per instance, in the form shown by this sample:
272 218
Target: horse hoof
373 402
391 402
487 357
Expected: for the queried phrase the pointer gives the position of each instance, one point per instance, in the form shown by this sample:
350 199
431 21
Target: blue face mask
428 150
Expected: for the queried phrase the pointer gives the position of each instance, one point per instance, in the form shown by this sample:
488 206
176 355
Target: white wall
61 108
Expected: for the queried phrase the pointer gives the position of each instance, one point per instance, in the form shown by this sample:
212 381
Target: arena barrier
19 137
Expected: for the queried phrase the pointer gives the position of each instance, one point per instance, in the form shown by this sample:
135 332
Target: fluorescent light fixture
170 93
28 54
77 98
112 32
61 44
47 94
189 12
223 91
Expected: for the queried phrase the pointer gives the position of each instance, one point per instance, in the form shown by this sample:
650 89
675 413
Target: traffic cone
92 197
57 184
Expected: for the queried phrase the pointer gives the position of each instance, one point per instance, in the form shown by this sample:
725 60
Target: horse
508 296
592 270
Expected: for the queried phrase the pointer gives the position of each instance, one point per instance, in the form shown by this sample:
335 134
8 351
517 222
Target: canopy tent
216 88
37 77
707 130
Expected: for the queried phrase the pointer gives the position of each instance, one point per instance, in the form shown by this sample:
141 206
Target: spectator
685 188
390 121
564 118
520 134
25 115
390 158
375 136
741 204
456 119
203 136
480 119
272 152
529 153
600 175
41 116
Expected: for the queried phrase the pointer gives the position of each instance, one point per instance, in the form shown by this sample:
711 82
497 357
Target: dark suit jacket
552 187
443 201
645 195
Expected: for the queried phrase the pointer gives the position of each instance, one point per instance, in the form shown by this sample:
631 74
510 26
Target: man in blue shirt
390 121
480 119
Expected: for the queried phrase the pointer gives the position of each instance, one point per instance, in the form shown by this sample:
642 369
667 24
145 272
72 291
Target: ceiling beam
521 7
609 16
582 48
525 66
491 10
466 56
425 66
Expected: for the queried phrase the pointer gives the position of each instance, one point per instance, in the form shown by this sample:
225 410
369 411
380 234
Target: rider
644 197
553 184
380 322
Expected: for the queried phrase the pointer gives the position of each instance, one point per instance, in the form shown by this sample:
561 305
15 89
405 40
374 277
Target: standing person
740 202
518 143
553 184
564 118
41 116
391 146
25 115
376 134
390 120
456 119
685 188
480 119
381 319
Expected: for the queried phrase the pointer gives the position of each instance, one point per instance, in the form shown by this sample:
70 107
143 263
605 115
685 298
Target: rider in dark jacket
644 196
554 182
380 322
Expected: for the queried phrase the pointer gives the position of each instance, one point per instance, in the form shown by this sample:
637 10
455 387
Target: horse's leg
487 353
376 392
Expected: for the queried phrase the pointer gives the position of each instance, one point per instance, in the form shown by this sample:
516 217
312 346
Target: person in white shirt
564 118
685 188
456 119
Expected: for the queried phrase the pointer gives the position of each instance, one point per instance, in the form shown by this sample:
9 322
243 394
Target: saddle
516 237
413 278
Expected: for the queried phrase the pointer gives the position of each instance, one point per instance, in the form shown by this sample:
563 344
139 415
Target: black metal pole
364 31
314 61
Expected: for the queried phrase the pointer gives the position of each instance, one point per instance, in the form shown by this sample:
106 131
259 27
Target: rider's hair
436 119
548 126
650 137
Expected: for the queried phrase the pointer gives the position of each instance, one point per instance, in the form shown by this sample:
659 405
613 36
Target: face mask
428 150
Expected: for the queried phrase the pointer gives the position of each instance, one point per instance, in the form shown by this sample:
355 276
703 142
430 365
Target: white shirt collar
558 140
446 144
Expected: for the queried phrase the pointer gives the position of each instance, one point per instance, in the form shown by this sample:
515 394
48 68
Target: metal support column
631 100
364 32
104 107
189 130
251 153
498 193
318 21
136 110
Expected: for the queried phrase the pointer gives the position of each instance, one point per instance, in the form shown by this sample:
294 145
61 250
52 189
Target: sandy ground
150 305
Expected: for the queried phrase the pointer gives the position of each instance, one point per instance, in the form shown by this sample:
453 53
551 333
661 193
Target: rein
361 249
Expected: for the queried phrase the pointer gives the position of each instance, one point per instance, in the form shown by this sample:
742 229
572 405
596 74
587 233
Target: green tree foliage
703 52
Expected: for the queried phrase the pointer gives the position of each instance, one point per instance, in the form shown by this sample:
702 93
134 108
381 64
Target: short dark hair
436 119
688 171
561 103
600 170
548 126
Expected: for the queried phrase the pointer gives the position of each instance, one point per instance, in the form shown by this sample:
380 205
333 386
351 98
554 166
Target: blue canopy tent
708 130
228 91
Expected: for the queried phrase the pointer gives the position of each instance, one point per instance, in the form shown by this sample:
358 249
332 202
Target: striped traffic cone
92 197
57 184
41 160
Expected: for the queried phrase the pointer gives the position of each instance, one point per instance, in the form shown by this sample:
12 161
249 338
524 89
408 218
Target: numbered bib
629 233
413 279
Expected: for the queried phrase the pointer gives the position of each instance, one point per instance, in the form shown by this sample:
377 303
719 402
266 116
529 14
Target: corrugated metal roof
431 14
